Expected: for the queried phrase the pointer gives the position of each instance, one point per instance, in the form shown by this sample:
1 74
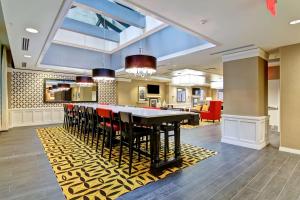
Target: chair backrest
76 110
70 107
65 109
90 113
104 113
215 108
101 103
126 122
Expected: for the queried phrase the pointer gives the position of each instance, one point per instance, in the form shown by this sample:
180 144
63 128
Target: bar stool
108 126
75 119
70 115
165 128
90 124
129 134
82 121
65 116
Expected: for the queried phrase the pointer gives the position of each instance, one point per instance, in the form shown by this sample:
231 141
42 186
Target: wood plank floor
235 173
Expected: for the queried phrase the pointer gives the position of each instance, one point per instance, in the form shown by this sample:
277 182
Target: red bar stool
108 127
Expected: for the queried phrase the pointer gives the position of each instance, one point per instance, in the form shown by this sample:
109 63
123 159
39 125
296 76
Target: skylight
96 19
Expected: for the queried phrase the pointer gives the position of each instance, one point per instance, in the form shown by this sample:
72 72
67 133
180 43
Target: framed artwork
142 93
181 95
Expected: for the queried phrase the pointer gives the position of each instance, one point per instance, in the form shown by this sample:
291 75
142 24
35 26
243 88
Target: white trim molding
289 150
257 52
35 116
245 131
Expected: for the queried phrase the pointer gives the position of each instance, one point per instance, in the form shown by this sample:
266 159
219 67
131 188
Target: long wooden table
155 118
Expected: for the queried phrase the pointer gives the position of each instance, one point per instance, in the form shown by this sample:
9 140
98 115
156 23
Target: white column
4 92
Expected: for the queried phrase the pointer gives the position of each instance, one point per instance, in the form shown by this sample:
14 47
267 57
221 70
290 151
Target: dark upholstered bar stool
65 116
82 121
108 127
130 136
75 119
166 128
90 125
70 115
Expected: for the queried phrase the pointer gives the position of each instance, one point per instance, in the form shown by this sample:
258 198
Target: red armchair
214 111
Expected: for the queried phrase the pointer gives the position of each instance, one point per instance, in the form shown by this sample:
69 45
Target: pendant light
103 74
84 81
63 86
140 64
54 88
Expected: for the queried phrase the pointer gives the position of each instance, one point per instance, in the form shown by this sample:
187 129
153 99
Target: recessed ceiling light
295 22
27 56
31 30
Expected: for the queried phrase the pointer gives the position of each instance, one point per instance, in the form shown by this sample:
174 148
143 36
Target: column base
245 131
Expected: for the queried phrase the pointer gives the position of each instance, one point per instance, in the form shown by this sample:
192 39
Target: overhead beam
114 11
88 29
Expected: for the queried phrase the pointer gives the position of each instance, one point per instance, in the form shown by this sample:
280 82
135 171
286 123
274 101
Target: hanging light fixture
140 65
188 80
84 81
103 74
54 88
63 86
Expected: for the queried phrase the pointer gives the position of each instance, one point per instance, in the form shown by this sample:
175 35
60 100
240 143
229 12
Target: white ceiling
230 23
38 14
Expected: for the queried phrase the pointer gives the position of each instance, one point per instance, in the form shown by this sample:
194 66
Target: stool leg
138 140
121 150
93 135
166 144
88 134
130 154
98 137
103 141
110 143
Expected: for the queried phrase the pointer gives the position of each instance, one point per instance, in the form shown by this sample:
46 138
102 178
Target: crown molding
257 52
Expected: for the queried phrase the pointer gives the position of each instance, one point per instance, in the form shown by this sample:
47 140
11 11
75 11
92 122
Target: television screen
196 91
153 89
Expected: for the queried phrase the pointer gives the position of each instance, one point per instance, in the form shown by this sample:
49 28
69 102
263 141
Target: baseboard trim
289 150
244 144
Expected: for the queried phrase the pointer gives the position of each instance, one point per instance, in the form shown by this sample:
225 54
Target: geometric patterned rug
83 174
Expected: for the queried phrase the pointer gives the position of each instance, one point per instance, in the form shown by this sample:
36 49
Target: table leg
177 142
155 146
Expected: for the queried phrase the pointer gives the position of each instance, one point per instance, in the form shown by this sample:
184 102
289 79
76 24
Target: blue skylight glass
96 19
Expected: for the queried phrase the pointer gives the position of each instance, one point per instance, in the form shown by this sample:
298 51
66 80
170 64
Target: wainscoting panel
35 116
246 131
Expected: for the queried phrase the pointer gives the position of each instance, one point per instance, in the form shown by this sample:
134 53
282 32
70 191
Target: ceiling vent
24 64
235 50
25 44
211 68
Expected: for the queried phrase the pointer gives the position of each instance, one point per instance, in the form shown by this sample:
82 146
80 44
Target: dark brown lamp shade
134 62
103 74
63 86
84 79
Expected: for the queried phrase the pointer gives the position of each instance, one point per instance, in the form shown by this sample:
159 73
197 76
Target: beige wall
290 95
172 95
245 87
127 92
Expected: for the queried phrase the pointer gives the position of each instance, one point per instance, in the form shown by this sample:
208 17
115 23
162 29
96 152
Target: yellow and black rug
83 174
